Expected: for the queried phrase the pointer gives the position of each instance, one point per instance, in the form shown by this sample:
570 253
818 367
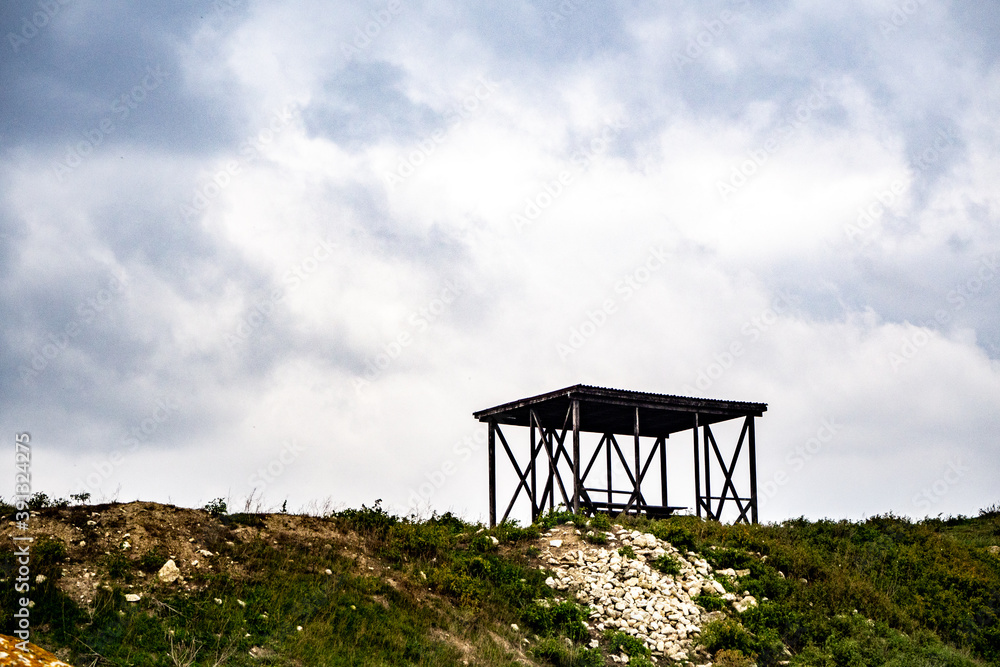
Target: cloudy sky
281 252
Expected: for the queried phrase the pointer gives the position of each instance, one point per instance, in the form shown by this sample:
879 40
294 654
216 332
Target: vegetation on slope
363 587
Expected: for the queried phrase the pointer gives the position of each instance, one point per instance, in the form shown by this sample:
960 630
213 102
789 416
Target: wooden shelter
614 413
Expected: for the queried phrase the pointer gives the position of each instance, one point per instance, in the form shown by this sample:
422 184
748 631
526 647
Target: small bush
626 643
595 538
217 507
681 538
510 532
600 521
626 552
727 634
565 618
710 602
555 518
373 521
667 564
38 501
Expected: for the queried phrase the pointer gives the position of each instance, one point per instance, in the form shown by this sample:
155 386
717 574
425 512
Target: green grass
882 591
885 591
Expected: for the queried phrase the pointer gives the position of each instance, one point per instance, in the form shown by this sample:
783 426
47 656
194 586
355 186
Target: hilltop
363 587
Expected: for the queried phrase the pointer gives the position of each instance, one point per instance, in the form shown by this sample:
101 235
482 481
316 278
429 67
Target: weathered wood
663 471
697 473
576 456
493 472
583 408
753 470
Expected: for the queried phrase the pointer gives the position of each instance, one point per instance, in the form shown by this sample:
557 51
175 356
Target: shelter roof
604 410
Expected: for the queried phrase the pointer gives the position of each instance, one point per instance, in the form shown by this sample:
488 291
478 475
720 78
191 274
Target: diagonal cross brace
642 476
728 472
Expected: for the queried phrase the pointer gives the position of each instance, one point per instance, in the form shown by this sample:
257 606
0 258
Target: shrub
555 518
600 521
667 564
565 618
626 643
710 601
727 634
595 538
373 521
216 507
38 501
681 538
626 552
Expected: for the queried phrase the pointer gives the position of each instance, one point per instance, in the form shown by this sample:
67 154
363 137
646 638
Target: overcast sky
285 250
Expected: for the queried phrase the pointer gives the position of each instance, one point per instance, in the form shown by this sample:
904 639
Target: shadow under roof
605 410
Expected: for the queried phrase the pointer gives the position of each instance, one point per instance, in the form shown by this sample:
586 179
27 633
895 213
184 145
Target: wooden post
663 471
753 472
607 447
697 472
493 473
708 474
534 479
638 461
576 456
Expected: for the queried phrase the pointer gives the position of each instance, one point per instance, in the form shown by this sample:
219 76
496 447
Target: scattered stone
132 597
555 543
169 573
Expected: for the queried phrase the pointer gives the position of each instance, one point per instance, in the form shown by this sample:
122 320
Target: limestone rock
169 573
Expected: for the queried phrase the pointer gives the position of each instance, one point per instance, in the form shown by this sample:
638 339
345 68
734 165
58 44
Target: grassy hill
363 587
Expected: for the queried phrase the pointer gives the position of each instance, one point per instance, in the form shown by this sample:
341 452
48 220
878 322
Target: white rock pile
631 595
